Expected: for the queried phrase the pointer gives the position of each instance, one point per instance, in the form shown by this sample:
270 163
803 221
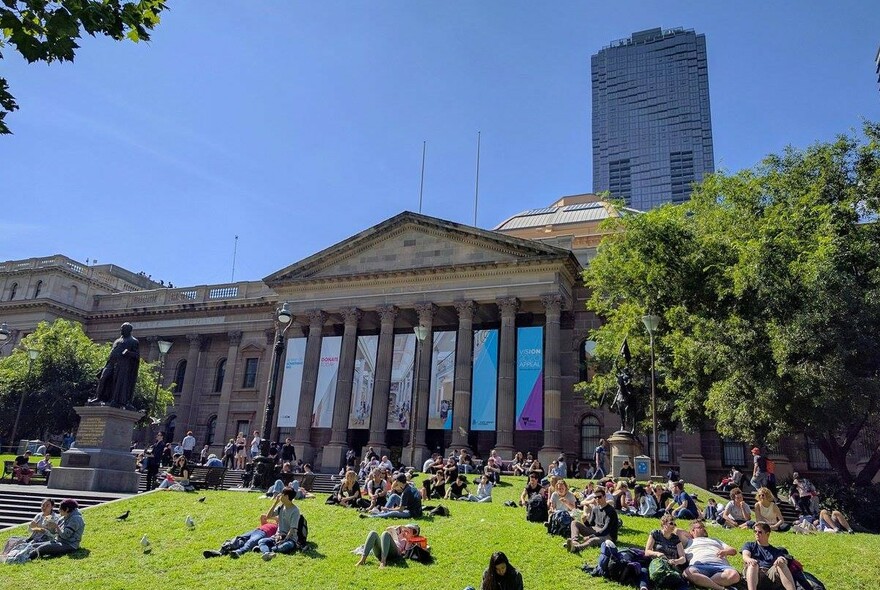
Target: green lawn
461 546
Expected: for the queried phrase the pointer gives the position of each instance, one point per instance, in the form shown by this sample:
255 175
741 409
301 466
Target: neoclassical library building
465 336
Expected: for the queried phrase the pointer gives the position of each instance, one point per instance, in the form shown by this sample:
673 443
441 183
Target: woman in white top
38 525
484 491
562 498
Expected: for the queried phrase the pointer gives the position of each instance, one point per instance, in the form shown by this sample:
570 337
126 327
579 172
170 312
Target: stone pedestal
784 468
333 458
305 452
692 469
102 461
624 447
422 454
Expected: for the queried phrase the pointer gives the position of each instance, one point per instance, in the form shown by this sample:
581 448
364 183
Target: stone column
220 436
506 376
302 435
382 386
151 348
423 387
552 380
334 452
464 353
187 391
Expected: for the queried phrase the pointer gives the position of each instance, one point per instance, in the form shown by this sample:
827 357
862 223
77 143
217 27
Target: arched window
221 373
590 437
179 375
37 289
12 291
170 423
209 430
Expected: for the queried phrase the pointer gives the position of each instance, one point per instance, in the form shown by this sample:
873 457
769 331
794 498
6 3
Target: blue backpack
560 523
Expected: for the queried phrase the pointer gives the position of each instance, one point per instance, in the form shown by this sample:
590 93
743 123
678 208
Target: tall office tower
877 62
652 130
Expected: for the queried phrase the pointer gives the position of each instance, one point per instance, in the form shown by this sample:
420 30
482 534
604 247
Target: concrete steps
19 504
323 484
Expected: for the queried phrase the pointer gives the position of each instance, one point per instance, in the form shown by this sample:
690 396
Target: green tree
47 30
768 286
64 375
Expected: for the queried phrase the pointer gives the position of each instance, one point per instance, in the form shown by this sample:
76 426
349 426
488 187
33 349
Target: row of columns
335 450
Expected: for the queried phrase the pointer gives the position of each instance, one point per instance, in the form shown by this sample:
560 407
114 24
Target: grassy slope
461 545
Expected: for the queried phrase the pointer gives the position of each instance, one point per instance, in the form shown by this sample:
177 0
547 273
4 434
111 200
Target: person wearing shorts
707 557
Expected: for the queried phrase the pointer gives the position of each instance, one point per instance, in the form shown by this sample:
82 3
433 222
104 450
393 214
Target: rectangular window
815 459
250 373
733 453
663 444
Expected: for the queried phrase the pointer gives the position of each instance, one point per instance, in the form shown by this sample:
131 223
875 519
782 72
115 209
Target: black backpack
560 524
536 509
302 533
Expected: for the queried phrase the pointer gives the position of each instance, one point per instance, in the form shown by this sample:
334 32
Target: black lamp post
4 335
651 322
263 464
421 333
164 347
33 353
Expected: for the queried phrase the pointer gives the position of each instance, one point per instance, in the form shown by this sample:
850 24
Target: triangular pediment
413 242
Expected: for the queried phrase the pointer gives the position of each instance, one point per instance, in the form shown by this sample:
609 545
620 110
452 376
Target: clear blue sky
297 124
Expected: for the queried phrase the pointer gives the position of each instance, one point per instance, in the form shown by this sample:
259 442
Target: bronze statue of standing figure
116 381
625 402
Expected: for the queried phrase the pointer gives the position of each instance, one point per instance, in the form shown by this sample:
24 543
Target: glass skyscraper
652 129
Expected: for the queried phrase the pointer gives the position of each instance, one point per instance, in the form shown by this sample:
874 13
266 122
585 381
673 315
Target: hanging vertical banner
530 378
402 375
291 382
484 388
362 381
325 391
442 381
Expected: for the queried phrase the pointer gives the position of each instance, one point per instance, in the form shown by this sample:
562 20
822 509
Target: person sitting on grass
377 489
766 566
707 558
287 515
627 470
767 511
623 499
533 486
391 544
561 499
710 513
66 532
518 466
664 543
457 488
736 513
246 542
500 575
683 505
349 495
39 525
410 505
484 491
177 478
600 524
647 504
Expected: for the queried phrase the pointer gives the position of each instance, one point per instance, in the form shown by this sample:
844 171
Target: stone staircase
323 483
19 504
788 511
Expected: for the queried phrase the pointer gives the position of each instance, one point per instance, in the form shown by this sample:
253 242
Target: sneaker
234 554
268 556
209 554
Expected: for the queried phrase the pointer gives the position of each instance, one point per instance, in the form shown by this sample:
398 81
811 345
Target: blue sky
295 125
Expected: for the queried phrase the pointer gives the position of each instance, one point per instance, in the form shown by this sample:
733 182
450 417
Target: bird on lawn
203 498
145 543
190 523
124 515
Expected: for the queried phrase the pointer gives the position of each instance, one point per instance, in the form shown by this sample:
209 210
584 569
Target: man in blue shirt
600 460
765 565
683 506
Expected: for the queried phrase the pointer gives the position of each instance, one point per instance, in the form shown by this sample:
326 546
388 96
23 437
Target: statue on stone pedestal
117 379
625 403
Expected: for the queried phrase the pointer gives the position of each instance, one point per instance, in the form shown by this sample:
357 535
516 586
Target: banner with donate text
325 391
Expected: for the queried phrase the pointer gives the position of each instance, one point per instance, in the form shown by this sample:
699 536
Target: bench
203 477
9 473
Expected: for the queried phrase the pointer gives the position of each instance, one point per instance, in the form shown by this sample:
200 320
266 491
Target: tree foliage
48 30
768 286
64 375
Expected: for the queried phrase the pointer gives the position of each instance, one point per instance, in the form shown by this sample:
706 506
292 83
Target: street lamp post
421 333
33 353
651 322
164 347
262 465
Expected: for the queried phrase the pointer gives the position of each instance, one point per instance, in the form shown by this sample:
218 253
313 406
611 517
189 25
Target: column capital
317 318
387 313
507 305
234 337
465 309
552 303
425 310
194 339
151 339
351 316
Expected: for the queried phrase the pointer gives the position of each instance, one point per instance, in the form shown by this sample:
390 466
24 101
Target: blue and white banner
484 382
401 390
362 382
530 378
442 381
291 382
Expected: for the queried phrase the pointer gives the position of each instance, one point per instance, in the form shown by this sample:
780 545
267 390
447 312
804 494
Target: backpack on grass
560 523
663 574
536 509
302 533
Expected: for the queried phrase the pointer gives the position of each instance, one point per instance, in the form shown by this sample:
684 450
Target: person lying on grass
707 558
246 542
391 544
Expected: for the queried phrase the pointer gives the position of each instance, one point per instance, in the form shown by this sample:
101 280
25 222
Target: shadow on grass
312 552
80 554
